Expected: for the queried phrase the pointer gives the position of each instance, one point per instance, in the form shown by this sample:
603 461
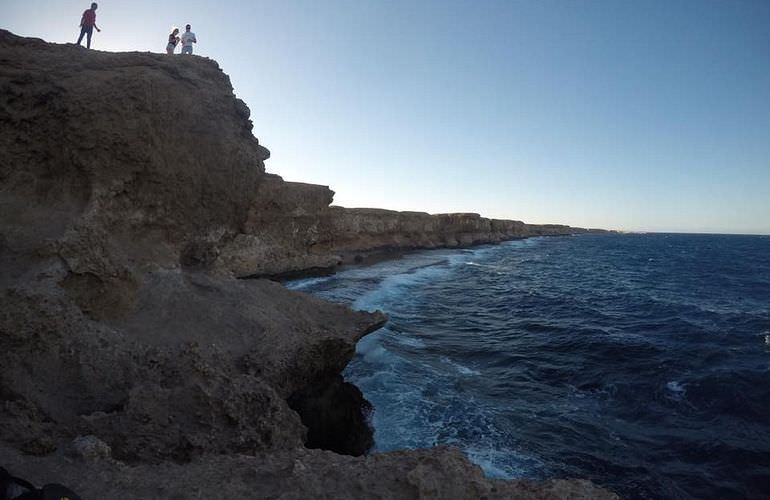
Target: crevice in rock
199 255
336 414
310 272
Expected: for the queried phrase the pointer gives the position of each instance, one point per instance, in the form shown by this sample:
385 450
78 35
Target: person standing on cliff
88 24
188 39
173 39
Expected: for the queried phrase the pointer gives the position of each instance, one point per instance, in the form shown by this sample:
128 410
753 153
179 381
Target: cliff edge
133 362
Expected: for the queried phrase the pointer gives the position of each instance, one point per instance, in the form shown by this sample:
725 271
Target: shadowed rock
335 413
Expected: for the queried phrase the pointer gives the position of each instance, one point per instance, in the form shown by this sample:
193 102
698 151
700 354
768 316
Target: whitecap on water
676 389
503 463
371 348
410 341
462 370
499 270
301 284
392 286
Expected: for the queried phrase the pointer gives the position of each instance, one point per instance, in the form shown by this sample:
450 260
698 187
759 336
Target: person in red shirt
87 24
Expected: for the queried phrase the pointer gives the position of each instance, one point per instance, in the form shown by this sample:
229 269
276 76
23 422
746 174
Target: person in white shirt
188 39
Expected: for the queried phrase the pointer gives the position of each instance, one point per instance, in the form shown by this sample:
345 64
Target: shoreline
363 258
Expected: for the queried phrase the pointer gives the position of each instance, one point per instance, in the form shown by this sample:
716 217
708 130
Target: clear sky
648 115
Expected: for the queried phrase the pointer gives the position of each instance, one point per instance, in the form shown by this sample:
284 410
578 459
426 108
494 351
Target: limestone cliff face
132 192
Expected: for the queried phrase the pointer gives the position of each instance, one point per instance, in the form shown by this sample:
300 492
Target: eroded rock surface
437 473
133 363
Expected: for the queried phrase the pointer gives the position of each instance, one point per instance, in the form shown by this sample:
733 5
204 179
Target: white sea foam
393 286
410 341
502 463
371 348
500 270
488 459
463 370
676 389
301 284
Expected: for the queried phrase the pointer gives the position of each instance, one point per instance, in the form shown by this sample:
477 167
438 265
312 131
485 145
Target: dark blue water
641 362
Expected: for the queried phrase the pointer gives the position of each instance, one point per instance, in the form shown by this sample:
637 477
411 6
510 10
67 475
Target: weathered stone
440 473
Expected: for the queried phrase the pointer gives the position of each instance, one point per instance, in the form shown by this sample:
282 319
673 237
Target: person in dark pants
173 39
87 25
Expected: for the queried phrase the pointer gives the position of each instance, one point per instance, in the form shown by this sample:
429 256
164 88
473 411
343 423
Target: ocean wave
461 369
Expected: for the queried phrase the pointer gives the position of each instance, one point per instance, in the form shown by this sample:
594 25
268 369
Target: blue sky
650 115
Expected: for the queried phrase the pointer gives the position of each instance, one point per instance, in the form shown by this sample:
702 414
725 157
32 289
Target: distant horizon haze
633 116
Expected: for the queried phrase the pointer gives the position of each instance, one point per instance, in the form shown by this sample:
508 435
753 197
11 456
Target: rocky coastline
134 363
293 229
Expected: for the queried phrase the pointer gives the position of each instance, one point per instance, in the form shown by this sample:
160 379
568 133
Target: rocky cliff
132 195
292 228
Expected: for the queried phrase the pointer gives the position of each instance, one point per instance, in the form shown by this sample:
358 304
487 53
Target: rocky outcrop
132 194
120 174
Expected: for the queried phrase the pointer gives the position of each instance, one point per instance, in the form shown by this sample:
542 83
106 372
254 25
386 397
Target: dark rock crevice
336 415
311 272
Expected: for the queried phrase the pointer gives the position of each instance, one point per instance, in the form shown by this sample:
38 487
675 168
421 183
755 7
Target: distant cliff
132 194
292 228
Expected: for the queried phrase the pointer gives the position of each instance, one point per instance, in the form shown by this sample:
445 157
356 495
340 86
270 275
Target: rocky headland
134 363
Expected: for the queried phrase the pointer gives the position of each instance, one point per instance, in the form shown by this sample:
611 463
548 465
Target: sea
638 361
